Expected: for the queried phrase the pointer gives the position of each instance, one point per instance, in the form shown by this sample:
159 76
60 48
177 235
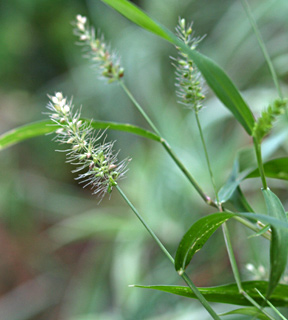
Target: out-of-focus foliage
64 257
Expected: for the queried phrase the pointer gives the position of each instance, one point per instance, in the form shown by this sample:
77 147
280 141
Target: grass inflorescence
96 162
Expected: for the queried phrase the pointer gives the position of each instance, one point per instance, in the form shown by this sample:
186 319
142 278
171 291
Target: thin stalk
202 194
167 147
262 46
255 304
184 276
206 155
271 305
257 147
140 109
232 257
236 272
251 226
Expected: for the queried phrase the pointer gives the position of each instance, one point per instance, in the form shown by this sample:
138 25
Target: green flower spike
98 51
189 81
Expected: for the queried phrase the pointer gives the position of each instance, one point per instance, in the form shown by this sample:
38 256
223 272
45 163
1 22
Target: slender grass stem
271 305
139 108
202 194
184 276
232 256
251 226
257 147
236 272
255 304
225 230
262 46
167 147
206 156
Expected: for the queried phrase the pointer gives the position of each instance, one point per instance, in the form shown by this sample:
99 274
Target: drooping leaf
279 242
43 127
215 76
230 293
196 237
223 87
250 311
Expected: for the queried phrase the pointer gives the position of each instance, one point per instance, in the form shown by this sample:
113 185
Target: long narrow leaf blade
196 237
215 76
250 311
133 13
223 87
43 127
230 293
279 242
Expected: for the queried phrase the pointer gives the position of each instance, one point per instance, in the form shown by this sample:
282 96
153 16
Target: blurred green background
63 257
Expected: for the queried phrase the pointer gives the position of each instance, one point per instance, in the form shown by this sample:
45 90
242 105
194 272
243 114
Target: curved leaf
250 311
223 87
229 293
43 127
215 76
279 242
133 13
276 168
196 237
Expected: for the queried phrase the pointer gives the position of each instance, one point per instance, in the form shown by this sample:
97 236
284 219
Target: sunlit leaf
230 293
196 237
43 127
279 242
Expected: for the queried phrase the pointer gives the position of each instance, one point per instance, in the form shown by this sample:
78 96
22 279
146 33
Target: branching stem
184 276
168 148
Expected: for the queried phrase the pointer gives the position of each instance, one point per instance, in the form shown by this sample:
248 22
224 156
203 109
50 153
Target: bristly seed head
96 162
107 63
189 81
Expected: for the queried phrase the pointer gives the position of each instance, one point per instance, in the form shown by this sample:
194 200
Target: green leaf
250 311
196 237
239 202
230 293
223 87
276 168
264 218
244 168
133 13
215 76
279 241
43 127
